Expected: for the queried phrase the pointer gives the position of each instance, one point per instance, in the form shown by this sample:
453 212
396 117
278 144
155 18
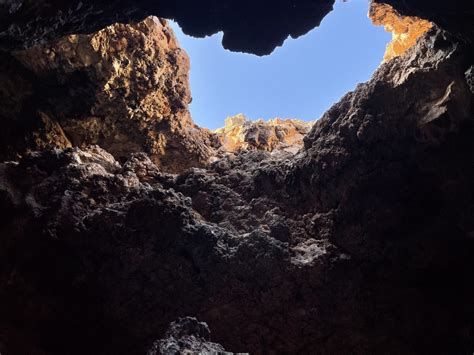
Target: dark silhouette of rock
250 26
255 27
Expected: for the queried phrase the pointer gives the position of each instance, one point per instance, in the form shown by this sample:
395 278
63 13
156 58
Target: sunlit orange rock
405 29
240 133
125 88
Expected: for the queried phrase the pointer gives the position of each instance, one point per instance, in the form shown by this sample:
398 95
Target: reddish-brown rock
405 30
125 88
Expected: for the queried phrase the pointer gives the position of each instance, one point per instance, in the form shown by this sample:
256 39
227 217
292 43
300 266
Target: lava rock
26 23
187 336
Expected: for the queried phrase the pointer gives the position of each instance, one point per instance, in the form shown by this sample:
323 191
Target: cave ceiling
248 26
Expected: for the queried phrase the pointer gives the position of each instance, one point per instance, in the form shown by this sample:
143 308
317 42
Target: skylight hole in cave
300 80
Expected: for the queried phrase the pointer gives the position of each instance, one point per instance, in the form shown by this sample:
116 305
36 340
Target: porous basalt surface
358 243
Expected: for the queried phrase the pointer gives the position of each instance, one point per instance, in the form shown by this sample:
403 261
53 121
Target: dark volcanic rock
391 167
250 26
187 336
256 27
125 250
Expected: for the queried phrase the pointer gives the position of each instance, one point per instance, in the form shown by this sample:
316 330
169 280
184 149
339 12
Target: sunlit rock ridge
240 133
406 30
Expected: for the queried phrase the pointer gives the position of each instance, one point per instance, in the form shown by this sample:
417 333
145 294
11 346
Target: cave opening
299 80
125 228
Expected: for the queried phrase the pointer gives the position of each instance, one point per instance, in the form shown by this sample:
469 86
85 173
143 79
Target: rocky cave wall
24 23
125 88
360 242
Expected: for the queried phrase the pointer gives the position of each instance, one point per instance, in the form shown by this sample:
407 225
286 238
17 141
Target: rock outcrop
405 30
125 88
282 134
187 336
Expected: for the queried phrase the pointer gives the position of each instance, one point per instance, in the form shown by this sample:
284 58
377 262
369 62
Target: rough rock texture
125 88
239 133
128 252
359 243
187 336
405 30
249 26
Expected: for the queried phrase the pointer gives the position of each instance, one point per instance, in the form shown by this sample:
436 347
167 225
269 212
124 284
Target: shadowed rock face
358 243
186 336
255 27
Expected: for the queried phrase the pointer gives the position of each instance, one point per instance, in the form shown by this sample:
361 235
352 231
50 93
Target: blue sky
301 80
